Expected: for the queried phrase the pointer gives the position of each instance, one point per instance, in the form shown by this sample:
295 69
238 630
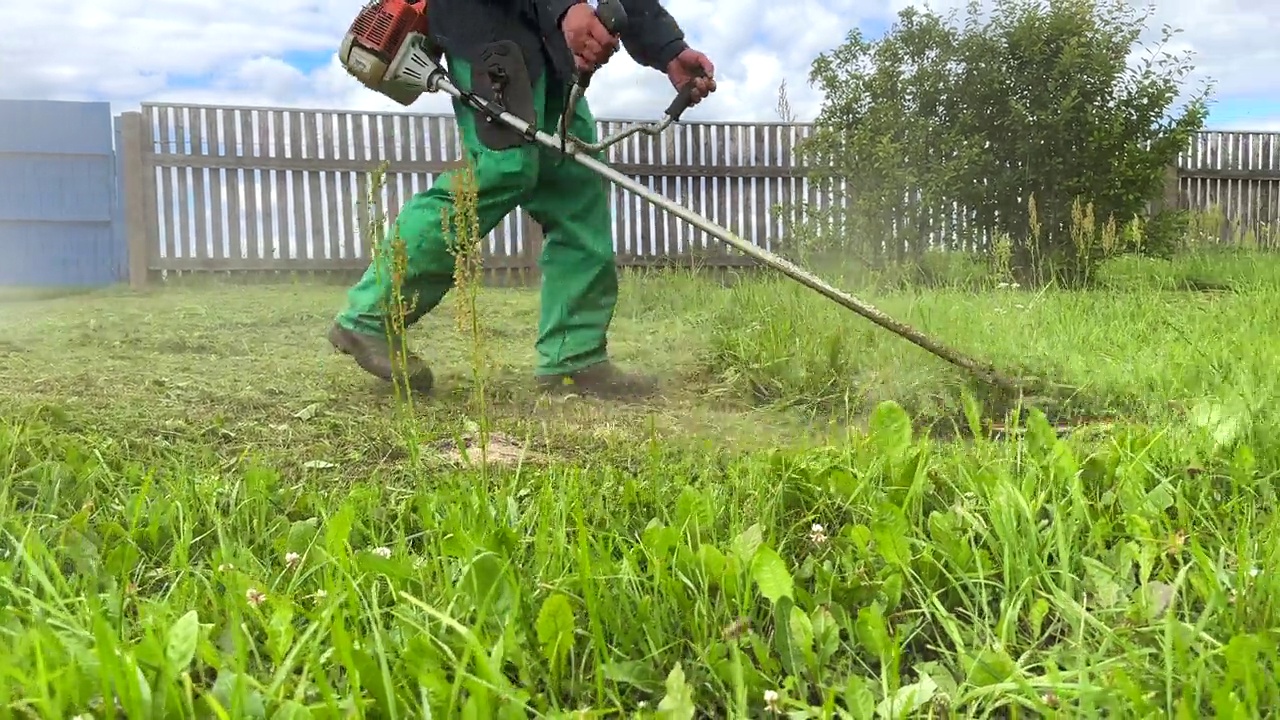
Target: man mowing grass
579 275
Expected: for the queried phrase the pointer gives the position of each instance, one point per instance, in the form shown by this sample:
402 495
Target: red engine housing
382 25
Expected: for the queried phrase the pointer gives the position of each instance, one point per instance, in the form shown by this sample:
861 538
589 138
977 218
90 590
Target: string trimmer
388 49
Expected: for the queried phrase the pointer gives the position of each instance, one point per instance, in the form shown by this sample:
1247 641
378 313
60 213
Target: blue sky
1245 113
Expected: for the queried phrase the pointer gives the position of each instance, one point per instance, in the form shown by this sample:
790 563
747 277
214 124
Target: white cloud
129 51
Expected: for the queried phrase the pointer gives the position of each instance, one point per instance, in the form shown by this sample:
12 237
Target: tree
1035 123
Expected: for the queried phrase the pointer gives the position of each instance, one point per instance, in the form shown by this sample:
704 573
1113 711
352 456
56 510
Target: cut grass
203 505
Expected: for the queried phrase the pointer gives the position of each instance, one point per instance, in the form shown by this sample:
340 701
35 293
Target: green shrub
1010 124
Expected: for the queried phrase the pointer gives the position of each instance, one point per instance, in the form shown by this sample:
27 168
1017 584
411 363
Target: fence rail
211 188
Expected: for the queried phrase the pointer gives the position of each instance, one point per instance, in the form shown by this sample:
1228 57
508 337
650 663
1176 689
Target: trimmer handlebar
613 16
684 98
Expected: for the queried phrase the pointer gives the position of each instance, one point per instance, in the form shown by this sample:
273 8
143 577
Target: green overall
579 277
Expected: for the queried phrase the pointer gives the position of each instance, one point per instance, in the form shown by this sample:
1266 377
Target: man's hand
692 65
590 42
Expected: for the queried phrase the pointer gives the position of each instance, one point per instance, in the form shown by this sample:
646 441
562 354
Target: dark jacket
464 27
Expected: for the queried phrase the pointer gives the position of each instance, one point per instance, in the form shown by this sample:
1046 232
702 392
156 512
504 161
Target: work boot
604 380
374 355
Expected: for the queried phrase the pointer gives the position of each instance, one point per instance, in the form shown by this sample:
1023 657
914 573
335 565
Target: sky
238 52
245 53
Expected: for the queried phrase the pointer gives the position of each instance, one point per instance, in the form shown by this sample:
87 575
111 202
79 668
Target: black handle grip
685 97
613 16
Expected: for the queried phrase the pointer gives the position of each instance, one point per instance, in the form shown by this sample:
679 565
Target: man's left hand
692 65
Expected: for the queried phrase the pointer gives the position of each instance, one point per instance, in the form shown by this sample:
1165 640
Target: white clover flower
817 534
771 701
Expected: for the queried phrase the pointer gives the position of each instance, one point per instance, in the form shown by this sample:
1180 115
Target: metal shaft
795 272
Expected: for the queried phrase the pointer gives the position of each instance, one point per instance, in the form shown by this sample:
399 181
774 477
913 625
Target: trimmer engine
388 48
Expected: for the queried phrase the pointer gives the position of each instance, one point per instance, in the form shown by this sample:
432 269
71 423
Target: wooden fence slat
758 191
738 142
167 182
699 157
360 151
217 187
393 130
280 188
717 147
232 140
151 204
249 203
201 242
300 237
344 197
182 237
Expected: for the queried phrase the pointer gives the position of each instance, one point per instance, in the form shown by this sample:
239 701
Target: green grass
207 513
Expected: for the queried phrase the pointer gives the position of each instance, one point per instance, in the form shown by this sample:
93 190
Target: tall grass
885 577
1115 569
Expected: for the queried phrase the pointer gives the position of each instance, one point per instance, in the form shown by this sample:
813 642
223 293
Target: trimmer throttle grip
685 97
613 16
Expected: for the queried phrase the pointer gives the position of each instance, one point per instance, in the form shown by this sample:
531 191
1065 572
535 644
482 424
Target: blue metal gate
58 195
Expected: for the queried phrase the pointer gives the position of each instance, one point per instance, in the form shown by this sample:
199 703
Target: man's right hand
589 41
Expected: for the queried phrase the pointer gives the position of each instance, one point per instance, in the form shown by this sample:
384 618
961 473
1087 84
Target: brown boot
604 380
374 355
